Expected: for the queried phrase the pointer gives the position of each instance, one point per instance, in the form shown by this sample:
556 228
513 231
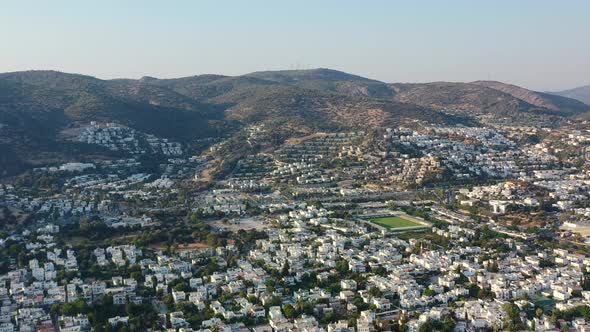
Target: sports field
396 222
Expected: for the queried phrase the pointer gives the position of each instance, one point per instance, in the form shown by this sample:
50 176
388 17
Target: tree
448 324
181 287
286 268
212 240
493 267
374 291
513 316
426 326
75 307
484 293
328 318
290 311
305 307
379 270
342 266
136 275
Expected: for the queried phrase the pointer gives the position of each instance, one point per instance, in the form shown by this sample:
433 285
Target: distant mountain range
582 94
37 107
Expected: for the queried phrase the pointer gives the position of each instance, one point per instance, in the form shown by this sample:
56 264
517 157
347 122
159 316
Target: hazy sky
539 44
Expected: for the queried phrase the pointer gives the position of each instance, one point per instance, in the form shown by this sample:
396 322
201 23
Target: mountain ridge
35 106
581 93
539 99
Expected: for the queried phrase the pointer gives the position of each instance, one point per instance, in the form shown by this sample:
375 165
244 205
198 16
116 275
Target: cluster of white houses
120 138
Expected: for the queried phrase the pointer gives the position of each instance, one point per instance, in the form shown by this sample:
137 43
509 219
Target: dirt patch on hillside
299 140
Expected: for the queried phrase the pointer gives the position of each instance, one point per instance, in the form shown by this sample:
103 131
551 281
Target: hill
460 97
581 93
490 101
324 110
328 80
556 103
206 87
48 103
127 90
34 110
38 107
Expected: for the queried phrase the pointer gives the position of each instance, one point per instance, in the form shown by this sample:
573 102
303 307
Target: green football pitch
395 222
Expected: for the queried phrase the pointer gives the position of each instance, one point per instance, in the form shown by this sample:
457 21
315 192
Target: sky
539 44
